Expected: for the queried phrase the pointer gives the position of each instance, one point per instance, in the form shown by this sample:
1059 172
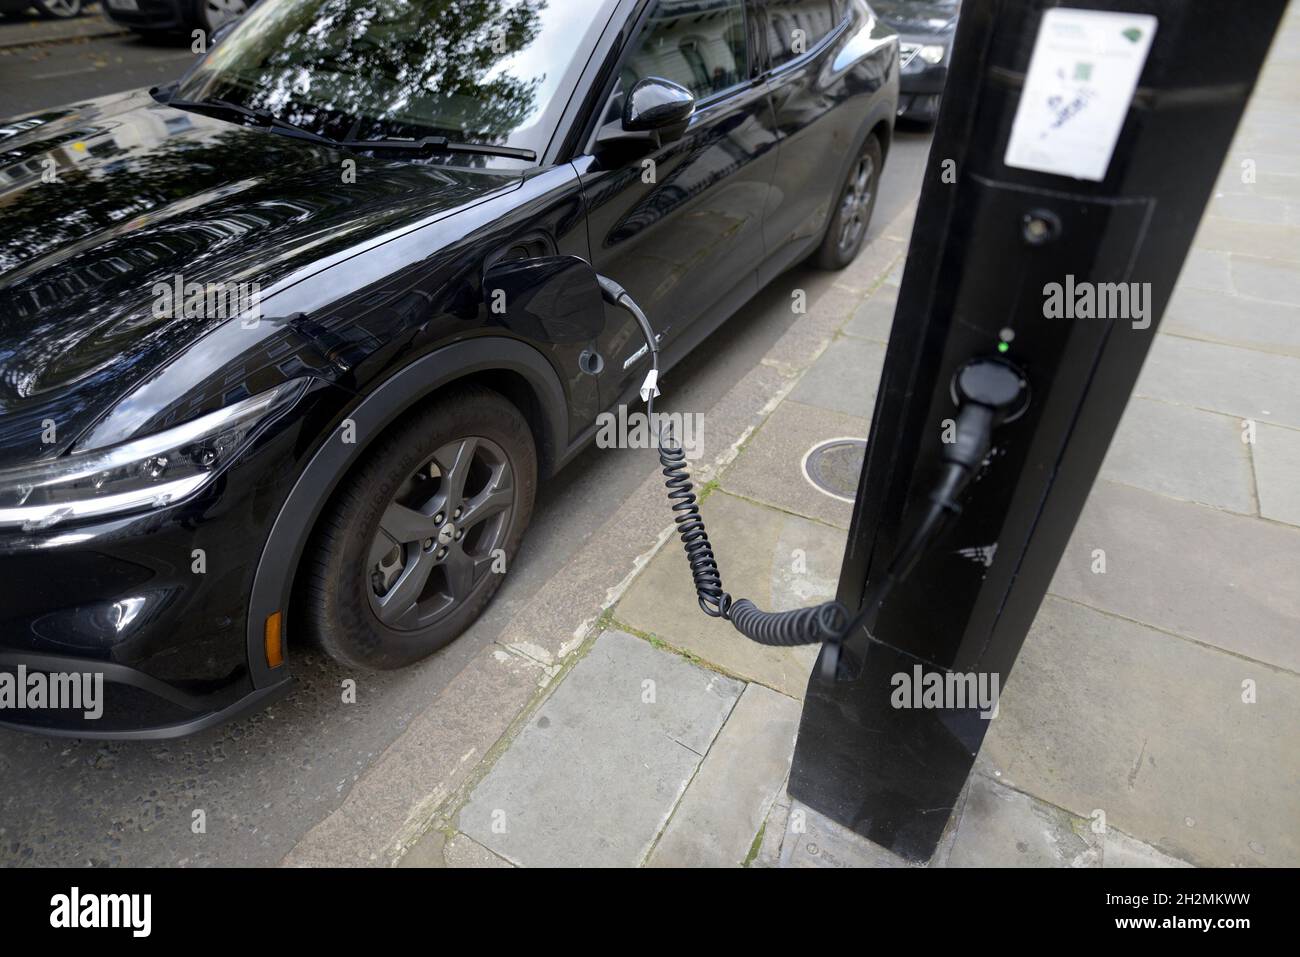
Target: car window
796 26
701 44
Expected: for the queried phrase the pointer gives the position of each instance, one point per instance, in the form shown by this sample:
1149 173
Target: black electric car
286 346
926 29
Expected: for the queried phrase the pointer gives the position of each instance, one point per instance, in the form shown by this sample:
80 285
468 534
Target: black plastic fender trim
273 581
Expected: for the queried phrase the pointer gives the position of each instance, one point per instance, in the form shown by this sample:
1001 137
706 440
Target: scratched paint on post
1082 74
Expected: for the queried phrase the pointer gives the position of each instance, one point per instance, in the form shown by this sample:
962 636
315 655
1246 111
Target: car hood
917 18
102 201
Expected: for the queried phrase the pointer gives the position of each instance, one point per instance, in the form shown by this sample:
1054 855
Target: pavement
48 63
1152 717
30 28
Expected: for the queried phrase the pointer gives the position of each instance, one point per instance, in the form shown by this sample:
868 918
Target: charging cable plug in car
616 295
988 392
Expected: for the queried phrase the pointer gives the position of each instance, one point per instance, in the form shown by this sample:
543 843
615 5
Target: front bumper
920 92
155 605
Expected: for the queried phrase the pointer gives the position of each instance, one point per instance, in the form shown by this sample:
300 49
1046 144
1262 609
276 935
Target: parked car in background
925 30
256 392
50 9
175 16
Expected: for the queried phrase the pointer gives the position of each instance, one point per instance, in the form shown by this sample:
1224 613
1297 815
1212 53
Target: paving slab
1001 827
426 852
1226 580
874 319
876 258
736 786
1266 278
778 561
1242 382
1207 269
1182 452
391 806
769 849
435 849
844 378
1267 186
1277 475
1249 208
1234 320
814 840
1104 714
461 851
770 468
1120 851
593 777
1259 240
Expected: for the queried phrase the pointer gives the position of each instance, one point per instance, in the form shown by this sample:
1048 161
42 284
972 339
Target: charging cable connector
987 392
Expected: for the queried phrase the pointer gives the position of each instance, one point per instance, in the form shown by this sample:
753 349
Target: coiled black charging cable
987 391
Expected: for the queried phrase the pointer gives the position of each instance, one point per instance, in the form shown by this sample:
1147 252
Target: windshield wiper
424 145
259 117
437 144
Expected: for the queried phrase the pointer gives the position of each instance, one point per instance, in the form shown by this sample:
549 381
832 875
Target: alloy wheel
61 9
219 12
437 537
855 205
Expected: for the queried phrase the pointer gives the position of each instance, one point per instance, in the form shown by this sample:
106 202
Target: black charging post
1067 171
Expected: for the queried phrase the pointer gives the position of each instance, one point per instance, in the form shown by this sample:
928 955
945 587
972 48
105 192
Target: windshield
487 71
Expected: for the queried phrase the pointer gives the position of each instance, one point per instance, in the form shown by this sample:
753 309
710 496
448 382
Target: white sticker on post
1082 74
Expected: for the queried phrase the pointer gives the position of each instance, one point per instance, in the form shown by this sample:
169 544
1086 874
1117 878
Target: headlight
145 473
931 54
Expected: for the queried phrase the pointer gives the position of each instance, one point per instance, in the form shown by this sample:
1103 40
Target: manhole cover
834 466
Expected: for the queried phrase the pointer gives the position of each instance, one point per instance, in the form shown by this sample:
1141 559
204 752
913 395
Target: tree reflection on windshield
472 69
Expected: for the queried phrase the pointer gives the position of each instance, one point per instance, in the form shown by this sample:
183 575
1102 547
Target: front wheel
847 229
416 542
58 9
214 14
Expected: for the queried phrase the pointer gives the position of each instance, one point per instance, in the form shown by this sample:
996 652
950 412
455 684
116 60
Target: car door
680 225
816 132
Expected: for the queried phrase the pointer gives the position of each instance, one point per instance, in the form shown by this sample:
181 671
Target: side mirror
655 110
657 104
547 299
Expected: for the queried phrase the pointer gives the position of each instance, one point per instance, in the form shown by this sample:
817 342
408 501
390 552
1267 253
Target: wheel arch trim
284 546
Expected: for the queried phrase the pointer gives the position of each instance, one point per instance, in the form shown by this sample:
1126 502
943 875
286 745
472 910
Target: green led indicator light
1004 347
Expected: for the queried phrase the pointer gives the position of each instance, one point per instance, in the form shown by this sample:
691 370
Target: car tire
58 9
372 599
855 201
